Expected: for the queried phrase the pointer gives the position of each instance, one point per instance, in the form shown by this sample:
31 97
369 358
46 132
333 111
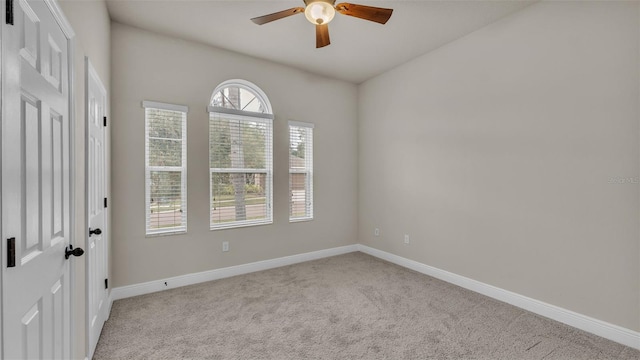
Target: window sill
236 225
167 233
302 219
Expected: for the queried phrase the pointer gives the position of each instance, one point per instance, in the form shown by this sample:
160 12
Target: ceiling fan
321 12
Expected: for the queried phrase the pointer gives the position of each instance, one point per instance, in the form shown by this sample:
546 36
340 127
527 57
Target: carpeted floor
351 306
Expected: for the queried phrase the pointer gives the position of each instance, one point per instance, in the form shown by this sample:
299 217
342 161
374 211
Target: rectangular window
165 168
300 171
240 157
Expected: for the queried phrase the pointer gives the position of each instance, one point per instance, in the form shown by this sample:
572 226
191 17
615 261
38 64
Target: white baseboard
196 278
598 327
109 304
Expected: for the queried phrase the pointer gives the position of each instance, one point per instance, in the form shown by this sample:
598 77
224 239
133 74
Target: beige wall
496 154
147 66
90 21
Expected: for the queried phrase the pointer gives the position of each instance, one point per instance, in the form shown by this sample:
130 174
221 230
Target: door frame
69 34
90 72
3 247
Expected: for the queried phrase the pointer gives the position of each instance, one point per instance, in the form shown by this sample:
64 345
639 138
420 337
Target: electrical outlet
225 246
406 238
376 232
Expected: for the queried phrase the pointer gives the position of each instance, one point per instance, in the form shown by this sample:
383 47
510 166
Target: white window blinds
240 156
165 168
300 171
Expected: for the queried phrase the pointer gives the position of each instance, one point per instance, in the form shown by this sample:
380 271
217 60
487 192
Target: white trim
301 219
88 71
598 327
301 124
221 110
181 230
66 28
61 19
242 170
109 304
3 245
239 224
196 278
164 106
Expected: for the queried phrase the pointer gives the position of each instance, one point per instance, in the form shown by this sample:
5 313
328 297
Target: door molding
65 25
3 15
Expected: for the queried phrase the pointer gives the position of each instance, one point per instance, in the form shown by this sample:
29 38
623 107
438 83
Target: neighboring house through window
165 168
240 156
300 171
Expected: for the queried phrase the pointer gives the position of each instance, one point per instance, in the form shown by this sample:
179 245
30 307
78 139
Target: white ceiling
359 49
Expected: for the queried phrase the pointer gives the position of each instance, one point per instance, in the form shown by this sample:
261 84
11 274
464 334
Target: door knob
71 251
95 231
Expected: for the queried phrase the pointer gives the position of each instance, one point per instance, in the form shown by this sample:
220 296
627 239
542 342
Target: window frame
244 116
176 230
308 170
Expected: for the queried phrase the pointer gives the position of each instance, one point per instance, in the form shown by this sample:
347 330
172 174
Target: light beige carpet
351 306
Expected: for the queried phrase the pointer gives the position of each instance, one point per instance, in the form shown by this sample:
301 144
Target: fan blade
322 36
379 15
260 20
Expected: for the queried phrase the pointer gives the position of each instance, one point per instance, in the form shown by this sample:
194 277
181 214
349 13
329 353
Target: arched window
240 95
240 155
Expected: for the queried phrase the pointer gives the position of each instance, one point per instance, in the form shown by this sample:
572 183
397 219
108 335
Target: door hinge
105 120
105 202
106 283
9 14
11 252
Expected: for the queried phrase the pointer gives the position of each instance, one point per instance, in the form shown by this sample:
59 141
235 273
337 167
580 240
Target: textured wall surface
511 156
147 66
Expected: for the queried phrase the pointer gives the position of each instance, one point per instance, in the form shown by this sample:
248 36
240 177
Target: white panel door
97 246
35 185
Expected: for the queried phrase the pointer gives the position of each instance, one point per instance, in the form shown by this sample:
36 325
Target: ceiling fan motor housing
319 12
307 2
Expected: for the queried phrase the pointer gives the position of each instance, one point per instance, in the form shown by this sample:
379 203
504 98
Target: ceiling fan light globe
319 12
